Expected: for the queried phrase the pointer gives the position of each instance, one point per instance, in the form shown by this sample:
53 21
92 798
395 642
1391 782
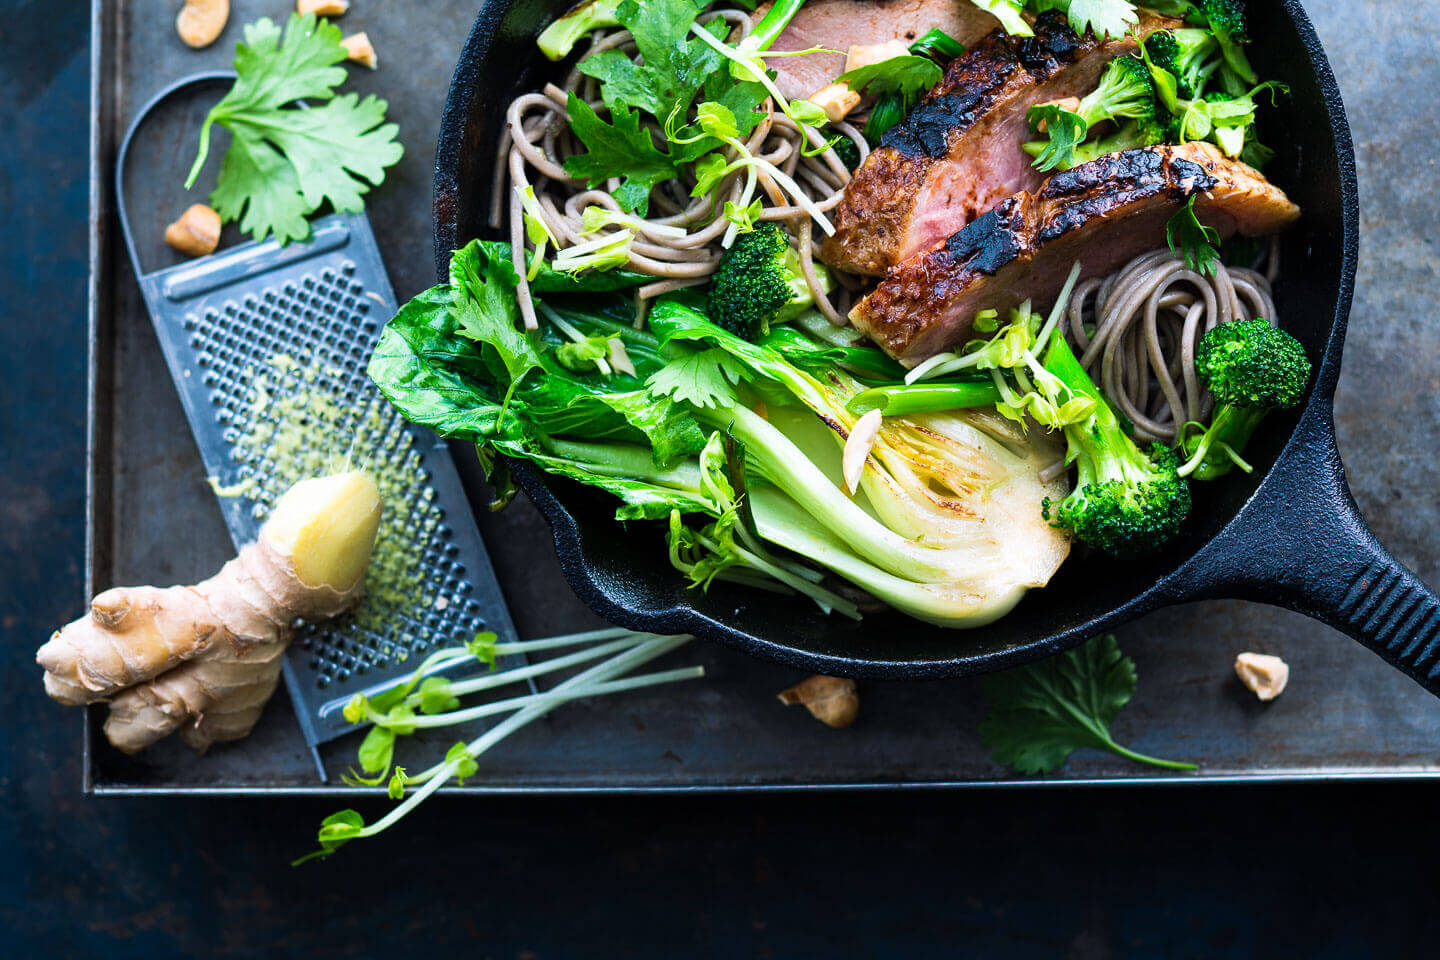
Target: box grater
268 347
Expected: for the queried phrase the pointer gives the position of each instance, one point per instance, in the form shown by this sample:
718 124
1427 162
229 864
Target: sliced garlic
857 448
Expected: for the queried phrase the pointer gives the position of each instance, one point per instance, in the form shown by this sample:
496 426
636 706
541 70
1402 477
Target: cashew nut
359 49
1265 675
837 100
831 700
323 8
196 233
200 21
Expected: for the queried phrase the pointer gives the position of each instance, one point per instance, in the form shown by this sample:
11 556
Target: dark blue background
1315 870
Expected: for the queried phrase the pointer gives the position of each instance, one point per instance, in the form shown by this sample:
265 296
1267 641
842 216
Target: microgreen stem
774 22
439 774
516 703
504 677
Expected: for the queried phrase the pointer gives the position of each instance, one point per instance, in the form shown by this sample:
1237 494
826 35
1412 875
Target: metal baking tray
152 518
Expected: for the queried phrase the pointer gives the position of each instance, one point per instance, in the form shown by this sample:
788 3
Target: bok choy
735 446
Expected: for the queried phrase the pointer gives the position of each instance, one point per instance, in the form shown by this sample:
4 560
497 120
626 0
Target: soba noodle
1137 331
537 139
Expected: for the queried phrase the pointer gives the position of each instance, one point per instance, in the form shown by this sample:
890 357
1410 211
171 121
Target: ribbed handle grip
1301 543
1395 615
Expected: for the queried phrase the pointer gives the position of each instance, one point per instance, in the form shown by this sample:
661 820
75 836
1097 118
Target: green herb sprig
284 161
1042 713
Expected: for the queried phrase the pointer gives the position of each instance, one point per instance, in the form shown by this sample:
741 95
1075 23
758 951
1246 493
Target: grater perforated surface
268 347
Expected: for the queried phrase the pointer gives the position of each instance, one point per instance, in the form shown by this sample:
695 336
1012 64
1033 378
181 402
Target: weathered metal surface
1346 713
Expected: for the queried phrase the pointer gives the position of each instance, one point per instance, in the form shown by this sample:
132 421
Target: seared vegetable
945 525
1251 368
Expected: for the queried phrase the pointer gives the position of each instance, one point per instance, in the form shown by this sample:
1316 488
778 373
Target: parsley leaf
618 148
706 378
907 75
284 161
1197 241
1042 713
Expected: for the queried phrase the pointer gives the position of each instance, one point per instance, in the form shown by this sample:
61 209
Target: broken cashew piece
1265 675
322 8
831 700
196 233
359 49
869 54
837 99
201 21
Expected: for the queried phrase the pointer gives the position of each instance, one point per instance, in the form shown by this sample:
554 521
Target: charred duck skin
959 152
1103 214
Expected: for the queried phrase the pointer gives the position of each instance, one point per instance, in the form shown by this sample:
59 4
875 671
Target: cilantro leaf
618 148
1196 241
674 65
706 378
1042 713
1107 18
1065 131
278 210
285 161
907 75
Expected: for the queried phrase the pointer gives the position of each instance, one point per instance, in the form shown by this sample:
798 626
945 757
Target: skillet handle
1301 543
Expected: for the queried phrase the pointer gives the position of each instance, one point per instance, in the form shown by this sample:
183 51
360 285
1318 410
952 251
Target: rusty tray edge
100 531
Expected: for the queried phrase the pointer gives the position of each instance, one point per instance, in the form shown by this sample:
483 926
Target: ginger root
204 659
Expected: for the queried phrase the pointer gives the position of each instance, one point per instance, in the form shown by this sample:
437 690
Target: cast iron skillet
1290 534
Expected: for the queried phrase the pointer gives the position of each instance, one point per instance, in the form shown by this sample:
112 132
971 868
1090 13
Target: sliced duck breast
959 151
1102 213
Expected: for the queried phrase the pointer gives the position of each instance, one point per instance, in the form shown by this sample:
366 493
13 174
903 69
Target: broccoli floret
1125 92
1125 500
558 39
1249 363
848 152
1226 20
1186 54
1251 368
759 282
